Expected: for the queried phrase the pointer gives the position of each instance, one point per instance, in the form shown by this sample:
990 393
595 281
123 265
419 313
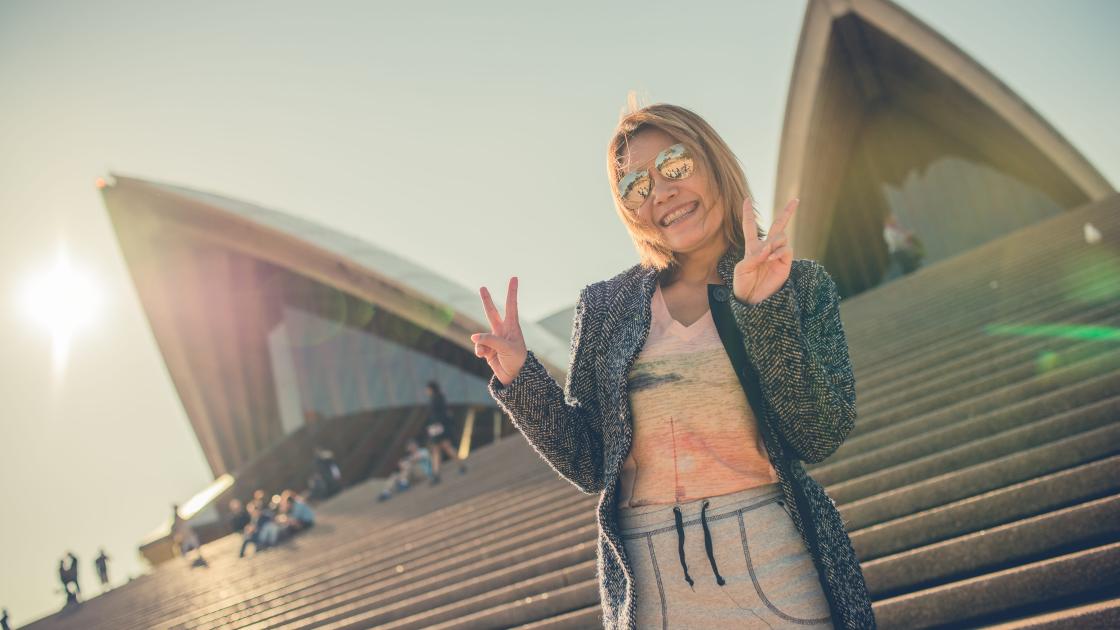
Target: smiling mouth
679 215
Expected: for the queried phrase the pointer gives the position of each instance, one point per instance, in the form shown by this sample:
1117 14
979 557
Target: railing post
468 429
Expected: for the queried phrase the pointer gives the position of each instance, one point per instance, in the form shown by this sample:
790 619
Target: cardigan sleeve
563 426
796 341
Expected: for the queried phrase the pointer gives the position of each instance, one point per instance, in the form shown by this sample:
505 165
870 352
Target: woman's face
683 211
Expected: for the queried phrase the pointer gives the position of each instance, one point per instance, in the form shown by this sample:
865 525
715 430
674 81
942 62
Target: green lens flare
1047 361
1061 331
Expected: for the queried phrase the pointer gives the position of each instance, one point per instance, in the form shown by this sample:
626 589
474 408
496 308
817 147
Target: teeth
672 218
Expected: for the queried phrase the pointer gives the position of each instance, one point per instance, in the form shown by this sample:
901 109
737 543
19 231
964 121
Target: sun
62 301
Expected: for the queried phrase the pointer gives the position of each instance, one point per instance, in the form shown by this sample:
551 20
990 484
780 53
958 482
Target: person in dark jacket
239 517
70 575
101 563
329 471
706 516
436 432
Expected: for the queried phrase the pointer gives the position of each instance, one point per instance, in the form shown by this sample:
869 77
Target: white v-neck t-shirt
695 435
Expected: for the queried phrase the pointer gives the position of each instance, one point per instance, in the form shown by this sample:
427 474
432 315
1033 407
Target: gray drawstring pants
732 561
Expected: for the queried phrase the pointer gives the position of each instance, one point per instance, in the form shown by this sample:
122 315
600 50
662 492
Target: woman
697 381
439 441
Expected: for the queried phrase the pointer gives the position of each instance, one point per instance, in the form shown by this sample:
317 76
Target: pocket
782 572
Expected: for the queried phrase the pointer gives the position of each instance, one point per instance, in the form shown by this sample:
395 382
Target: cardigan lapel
634 300
726 266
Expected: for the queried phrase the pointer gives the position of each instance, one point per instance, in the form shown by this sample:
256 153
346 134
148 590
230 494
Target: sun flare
62 301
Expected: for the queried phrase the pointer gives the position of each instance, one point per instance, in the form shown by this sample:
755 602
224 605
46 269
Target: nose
662 189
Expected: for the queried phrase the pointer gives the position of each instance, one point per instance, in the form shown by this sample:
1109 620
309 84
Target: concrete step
983 477
1091 522
1025 263
1102 615
544 606
951 321
993 508
590 617
423 561
1026 356
334 557
357 558
894 475
1000 391
1036 582
923 436
973 349
543 596
450 588
439 585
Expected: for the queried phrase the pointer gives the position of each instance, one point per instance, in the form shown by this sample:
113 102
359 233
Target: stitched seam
758 587
660 588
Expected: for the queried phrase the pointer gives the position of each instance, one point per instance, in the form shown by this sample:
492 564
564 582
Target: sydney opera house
282 337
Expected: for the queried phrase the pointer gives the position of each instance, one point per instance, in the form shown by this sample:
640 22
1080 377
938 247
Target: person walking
185 538
68 574
699 380
71 576
101 563
439 440
329 472
904 249
64 577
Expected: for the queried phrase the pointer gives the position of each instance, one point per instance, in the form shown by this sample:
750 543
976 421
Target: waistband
641 520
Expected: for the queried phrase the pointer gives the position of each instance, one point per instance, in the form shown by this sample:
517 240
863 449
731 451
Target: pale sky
468 137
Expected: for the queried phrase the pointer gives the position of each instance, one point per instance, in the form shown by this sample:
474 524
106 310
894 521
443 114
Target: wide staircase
981 485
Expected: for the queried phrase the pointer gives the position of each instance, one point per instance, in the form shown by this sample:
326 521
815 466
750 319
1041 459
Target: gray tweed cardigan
796 342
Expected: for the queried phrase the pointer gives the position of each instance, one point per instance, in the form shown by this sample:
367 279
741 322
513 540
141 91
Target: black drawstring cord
680 544
708 544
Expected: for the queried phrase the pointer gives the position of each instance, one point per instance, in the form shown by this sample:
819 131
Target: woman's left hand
766 263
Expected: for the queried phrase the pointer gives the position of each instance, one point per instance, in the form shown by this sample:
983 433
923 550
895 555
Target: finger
779 224
511 301
492 341
781 239
780 253
752 261
762 253
490 310
750 228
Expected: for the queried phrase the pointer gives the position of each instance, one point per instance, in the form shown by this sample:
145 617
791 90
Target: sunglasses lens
633 189
675 162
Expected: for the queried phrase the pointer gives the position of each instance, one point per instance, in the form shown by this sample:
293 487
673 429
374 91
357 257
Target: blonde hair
714 159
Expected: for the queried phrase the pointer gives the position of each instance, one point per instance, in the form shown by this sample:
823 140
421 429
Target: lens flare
62 301
1060 331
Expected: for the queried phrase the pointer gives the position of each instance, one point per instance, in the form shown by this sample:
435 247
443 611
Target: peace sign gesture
766 263
504 346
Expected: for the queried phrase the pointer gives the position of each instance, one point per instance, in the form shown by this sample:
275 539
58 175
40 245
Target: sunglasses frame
631 178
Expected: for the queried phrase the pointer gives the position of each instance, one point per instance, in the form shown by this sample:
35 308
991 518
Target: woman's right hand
504 346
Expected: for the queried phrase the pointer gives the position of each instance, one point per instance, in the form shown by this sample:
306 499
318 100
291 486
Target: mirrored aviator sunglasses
675 162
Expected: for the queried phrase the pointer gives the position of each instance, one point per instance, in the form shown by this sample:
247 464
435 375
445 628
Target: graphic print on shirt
695 435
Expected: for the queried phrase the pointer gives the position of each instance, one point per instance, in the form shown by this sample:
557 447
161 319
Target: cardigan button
721 293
